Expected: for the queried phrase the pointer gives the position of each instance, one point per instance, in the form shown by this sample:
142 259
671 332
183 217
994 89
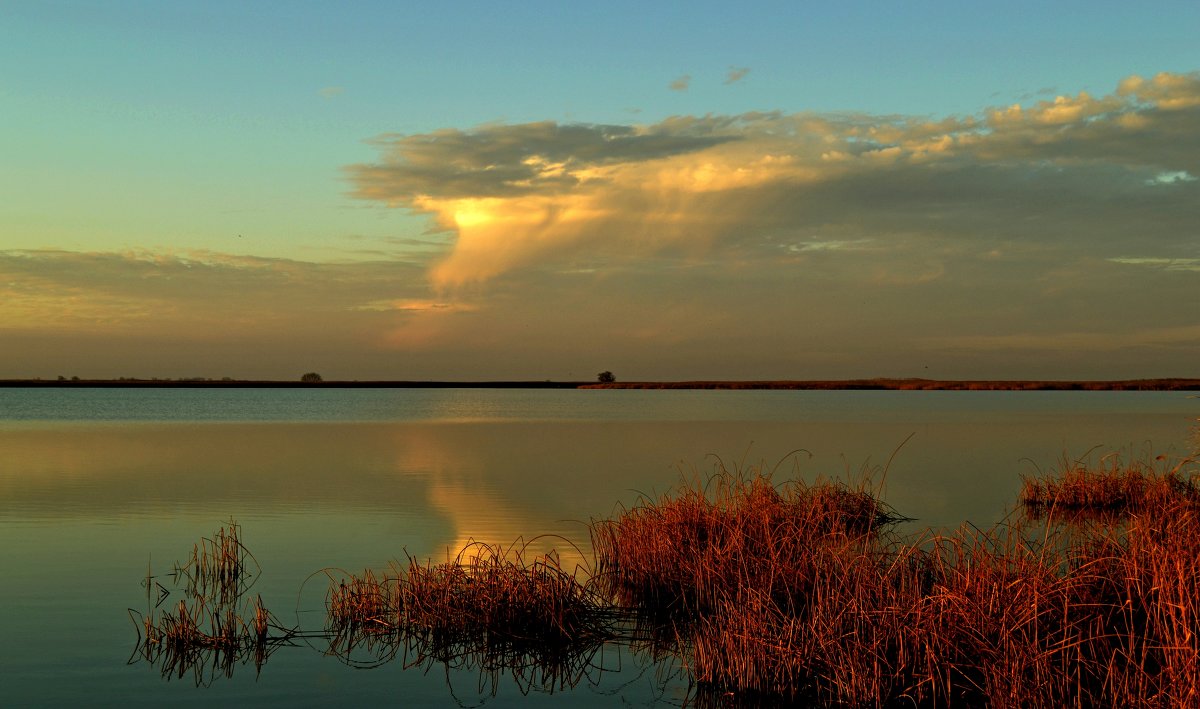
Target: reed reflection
755 588
491 612
214 627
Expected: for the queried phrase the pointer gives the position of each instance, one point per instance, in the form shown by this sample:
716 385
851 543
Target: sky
540 190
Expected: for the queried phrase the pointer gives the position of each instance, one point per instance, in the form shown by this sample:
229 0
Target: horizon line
869 383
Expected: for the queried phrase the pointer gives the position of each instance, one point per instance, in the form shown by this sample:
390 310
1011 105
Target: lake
98 487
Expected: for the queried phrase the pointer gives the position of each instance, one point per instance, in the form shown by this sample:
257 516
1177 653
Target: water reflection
204 623
490 613
758 562
93 501
493 482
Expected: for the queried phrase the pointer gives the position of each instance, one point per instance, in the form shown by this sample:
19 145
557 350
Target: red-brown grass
1115 485
364 604
201 639
802 593
686 552
212 629
489 609
219 567
1092 615
488 600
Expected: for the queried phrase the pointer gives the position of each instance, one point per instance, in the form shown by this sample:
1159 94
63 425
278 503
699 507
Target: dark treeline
926 384
1176 384
277 384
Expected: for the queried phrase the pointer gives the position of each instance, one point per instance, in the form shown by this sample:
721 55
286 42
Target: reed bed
1116 485
792 593
684 553
489 606
974 619
364 606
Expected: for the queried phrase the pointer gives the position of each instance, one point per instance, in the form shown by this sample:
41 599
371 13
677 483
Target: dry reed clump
488 601
1078 615
1141 582
1089 615
994 623
206 641
212 629
218 568
970 619
364 605
489 610
839 646
1115 486
684 554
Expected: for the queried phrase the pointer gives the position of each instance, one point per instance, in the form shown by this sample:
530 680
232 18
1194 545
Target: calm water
97 485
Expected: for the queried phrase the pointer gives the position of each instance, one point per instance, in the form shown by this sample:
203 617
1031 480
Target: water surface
97 485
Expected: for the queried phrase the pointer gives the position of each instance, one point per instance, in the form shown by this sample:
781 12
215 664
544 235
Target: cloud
736 74
185 313
531 158
1019 241
1070 172
1170 178
189 293
681 84
1183 336
330 92
416 305
699 234
1166 264
830 245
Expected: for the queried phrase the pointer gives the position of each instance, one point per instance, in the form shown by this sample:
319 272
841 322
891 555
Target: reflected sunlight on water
85 504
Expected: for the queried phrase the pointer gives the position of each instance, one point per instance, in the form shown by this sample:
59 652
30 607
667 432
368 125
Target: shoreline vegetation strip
879 384
763 592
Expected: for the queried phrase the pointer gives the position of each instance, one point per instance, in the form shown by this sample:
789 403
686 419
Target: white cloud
1170 178
1165 264
830 245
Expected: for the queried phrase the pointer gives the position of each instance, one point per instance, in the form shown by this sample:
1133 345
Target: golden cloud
194 292
521 196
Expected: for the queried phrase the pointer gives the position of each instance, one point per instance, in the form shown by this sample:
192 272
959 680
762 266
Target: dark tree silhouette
311 378
605 377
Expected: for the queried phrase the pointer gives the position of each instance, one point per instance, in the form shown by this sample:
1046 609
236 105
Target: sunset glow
943 192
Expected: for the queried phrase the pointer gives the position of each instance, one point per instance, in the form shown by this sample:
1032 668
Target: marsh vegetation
203 623
761 591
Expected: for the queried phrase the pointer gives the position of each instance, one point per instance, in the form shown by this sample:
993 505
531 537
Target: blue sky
235 139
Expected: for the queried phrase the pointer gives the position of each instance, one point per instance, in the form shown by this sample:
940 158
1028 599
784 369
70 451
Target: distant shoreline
824 384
